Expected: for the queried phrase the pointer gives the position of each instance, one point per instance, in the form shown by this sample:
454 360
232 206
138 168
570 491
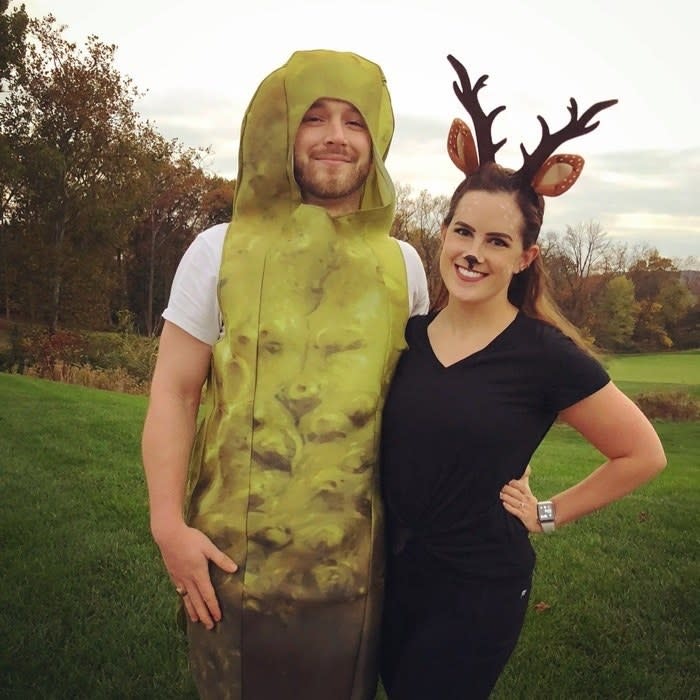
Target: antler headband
549 175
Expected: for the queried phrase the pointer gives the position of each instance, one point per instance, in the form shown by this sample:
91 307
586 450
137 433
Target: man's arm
168 434
418 300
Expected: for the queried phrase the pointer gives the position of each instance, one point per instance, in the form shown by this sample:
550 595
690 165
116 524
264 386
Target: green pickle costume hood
284 474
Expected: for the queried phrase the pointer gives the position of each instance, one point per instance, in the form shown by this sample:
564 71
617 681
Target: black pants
449 640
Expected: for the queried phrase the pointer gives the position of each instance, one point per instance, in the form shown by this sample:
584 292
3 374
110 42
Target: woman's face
482 247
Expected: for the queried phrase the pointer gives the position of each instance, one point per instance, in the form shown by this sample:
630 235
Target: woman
485 375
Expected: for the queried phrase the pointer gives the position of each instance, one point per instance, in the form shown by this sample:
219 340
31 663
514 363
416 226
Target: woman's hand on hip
518 500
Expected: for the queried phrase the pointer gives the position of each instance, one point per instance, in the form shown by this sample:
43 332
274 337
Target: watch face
545 511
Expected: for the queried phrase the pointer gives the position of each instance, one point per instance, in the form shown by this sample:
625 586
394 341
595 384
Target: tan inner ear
461 147
557 174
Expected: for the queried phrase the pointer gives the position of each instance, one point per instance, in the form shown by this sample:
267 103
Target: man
274 541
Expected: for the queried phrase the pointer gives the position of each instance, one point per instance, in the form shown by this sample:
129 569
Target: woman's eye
357 124
499 242
463 232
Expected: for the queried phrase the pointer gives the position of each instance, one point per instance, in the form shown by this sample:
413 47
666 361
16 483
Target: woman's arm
614 425
168 435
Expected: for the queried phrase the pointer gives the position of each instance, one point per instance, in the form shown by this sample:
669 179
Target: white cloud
642 221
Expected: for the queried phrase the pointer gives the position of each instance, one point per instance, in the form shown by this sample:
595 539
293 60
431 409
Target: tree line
97 208
623 298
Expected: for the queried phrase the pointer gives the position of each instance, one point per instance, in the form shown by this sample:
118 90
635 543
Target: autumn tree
687 332
576 263
418 220
649 331
650 271
69 126
216 205
179 201
676 302
664 299
688 263
615 314
97 207
13 30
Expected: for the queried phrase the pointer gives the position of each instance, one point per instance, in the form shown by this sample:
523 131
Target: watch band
548 526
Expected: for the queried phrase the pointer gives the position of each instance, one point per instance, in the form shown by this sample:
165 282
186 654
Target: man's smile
333 157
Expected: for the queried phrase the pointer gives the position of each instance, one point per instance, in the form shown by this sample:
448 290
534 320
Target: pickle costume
284 474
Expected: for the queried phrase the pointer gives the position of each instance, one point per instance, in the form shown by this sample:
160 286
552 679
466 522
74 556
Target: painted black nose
471 260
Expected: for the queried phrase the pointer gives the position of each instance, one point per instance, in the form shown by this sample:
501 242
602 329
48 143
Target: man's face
332 156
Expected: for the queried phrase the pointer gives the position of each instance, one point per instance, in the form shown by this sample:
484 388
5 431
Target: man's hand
187 552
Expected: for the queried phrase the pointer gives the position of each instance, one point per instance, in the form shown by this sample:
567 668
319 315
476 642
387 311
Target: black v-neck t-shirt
453 436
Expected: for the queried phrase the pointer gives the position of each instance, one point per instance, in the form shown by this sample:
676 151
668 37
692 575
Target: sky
200 63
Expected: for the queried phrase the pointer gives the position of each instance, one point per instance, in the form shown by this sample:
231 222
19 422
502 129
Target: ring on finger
182 592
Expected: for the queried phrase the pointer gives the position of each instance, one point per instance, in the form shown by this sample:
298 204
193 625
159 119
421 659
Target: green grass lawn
86 610
675 371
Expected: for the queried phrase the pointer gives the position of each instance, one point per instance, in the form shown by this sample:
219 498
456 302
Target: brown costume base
316 652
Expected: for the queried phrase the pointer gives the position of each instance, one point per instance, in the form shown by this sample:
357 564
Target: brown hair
529 289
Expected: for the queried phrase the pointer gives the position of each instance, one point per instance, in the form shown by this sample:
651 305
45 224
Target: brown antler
549 142
482 123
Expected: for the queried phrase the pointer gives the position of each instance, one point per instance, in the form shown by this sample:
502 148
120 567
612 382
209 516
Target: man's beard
316 182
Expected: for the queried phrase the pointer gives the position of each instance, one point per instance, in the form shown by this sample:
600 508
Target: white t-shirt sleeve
193 304
418 300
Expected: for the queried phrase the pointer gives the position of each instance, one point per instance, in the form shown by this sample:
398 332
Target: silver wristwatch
545 516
